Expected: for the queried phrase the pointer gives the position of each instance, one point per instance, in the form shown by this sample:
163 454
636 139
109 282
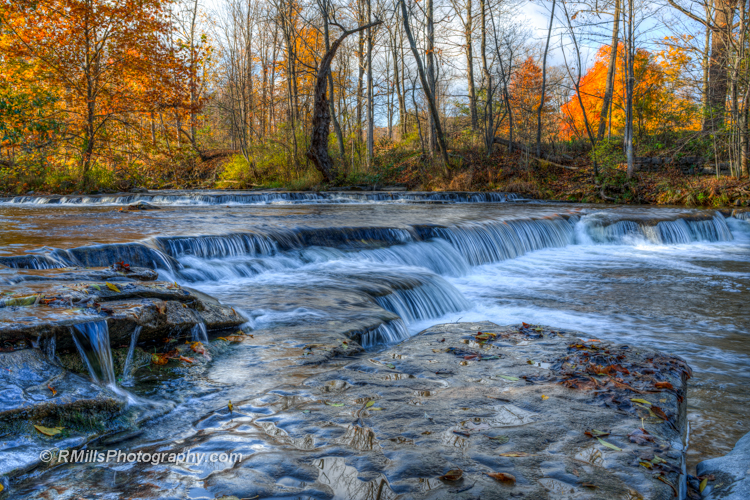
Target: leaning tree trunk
321 119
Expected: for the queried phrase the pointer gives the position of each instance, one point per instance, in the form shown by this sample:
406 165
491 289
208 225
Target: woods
435 94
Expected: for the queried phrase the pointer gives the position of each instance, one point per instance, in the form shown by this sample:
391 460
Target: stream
301 267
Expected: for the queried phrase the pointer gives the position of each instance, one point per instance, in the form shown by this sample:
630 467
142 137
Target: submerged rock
731 473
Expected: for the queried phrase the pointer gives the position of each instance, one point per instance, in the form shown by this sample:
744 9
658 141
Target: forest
596 100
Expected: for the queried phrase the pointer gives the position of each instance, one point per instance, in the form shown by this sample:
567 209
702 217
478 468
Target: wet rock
33 388
41 311
731 473
142 205
85 274
448 399
36 391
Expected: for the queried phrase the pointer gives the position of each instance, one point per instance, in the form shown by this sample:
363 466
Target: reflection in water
345 484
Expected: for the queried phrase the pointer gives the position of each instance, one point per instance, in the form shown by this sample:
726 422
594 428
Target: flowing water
305 266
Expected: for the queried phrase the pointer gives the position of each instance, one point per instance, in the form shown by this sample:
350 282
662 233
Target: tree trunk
321 120
425 85
430 21
370 104
609 90
544 86
470 68
717 64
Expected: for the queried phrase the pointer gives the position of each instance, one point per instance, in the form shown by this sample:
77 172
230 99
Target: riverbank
665 182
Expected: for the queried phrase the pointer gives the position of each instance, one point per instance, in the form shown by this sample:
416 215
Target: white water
127 378
92 341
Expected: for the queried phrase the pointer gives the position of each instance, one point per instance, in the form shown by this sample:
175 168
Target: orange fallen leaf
54 392
502 477
664 385
452 475
514 454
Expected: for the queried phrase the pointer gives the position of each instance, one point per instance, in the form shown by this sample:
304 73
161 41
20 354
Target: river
673 279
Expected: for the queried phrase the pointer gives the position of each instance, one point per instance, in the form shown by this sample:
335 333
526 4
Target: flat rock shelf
566 416
461 410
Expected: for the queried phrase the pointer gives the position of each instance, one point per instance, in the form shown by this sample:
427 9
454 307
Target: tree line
295 92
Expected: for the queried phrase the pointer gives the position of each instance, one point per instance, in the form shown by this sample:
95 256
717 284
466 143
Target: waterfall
387 333
431 300
665 232
261 198
92 341
126 376
199 332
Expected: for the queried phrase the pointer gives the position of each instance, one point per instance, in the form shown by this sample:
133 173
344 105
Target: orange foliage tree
525 91
656 107
106 58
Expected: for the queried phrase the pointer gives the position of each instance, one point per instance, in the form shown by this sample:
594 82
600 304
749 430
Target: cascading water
126 367
269 198
199 333
92 341
387 333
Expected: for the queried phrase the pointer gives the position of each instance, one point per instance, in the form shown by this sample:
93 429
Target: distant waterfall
266 198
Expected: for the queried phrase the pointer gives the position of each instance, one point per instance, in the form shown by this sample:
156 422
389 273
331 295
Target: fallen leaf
375 408
544 397
112 287
426 433
464 363
500 439
54 392
391 366
595 433
703 485
502 477
334 404
305 411
608 445
512 379
49 431
659 413
664 385
231 407
452 475
369 404
514 454
663 480
643 401
185 359
159 359
96 287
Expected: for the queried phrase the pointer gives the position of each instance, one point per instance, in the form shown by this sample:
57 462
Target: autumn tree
108 57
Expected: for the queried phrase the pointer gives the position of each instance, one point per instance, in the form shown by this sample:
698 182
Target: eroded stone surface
390 424
731 473
37 311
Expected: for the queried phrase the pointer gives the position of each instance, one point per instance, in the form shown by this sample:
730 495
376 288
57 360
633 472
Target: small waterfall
199 332
665 232
495 241
126 368
387 333
433 299
260 198
92 341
